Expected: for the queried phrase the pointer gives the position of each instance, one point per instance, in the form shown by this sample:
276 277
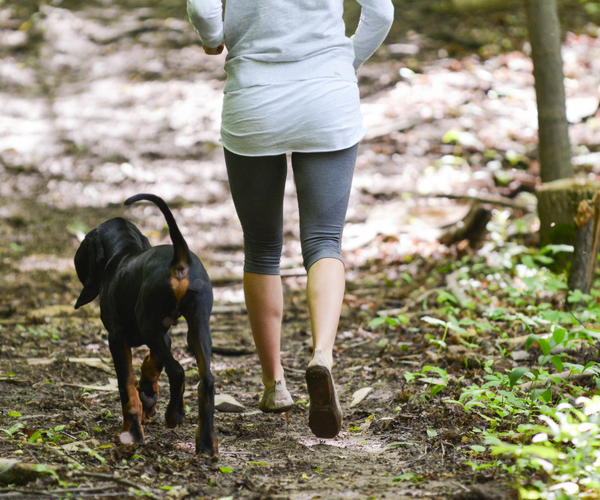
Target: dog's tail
180 264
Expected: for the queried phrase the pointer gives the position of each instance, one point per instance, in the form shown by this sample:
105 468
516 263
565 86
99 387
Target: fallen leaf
359 396
432 381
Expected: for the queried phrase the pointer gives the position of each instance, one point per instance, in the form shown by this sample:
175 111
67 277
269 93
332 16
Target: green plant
566 447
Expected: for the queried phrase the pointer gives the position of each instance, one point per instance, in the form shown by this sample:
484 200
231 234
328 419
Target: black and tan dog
143 291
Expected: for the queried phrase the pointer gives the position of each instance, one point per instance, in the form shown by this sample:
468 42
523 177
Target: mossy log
558 202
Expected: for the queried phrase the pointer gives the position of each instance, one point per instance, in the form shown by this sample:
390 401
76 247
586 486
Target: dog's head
90 262
110 240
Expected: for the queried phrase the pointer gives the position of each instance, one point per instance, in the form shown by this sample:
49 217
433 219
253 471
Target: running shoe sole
325 416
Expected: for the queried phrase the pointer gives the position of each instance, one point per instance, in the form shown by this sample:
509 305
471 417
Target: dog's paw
174 416
207 445
132 433
148 405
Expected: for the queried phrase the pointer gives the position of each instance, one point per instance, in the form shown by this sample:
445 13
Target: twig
118 480
50 449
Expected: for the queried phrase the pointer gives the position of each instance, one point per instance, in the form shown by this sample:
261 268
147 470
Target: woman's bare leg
264 301
325 293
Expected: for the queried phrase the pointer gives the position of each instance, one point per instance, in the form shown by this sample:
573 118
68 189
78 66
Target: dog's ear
89 264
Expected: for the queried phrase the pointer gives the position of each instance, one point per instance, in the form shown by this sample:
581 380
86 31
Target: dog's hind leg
199 341
148 385
161 348
132 431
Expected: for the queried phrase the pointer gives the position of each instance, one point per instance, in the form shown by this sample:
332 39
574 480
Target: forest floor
103 100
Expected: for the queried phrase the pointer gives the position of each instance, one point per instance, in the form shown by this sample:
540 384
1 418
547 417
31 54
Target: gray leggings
323 182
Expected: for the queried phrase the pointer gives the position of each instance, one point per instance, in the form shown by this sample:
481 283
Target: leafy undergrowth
541 407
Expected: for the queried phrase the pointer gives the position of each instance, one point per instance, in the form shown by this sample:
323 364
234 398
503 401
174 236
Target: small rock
228 404
519 355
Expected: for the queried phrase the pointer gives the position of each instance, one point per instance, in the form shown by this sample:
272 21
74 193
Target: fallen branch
472 227
491 200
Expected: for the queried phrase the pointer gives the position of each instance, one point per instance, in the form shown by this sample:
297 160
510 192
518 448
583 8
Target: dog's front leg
148 385
132 431
199 341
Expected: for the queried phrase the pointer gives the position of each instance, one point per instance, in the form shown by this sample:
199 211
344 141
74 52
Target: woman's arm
376 19
207 19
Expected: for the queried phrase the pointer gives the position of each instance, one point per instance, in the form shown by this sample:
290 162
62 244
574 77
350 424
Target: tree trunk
544 36
558 202
585 253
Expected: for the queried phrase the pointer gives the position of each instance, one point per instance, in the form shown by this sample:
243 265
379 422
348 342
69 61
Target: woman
291 87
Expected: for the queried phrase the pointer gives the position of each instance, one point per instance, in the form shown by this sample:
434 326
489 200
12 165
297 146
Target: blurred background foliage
461 26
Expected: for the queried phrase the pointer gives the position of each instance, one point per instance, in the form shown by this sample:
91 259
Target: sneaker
276 399
325 413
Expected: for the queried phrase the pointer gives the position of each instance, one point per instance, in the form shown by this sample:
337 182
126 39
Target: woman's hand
213 51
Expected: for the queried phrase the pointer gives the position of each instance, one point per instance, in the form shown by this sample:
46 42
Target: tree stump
558 202
585 253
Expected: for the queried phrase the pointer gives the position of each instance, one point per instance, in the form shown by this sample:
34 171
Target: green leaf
226 470
546 396
557 248
433 321
557 362
14 428
435 389
35 436
530 340
545 346
431 433
318 469
478 448
516 374
14 414
376 322
404 477
166 488
558 335
542 451
444 296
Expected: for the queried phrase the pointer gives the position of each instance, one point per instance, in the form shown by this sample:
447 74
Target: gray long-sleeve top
275 41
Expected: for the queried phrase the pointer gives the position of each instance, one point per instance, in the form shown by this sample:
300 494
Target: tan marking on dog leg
132 431
150 372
